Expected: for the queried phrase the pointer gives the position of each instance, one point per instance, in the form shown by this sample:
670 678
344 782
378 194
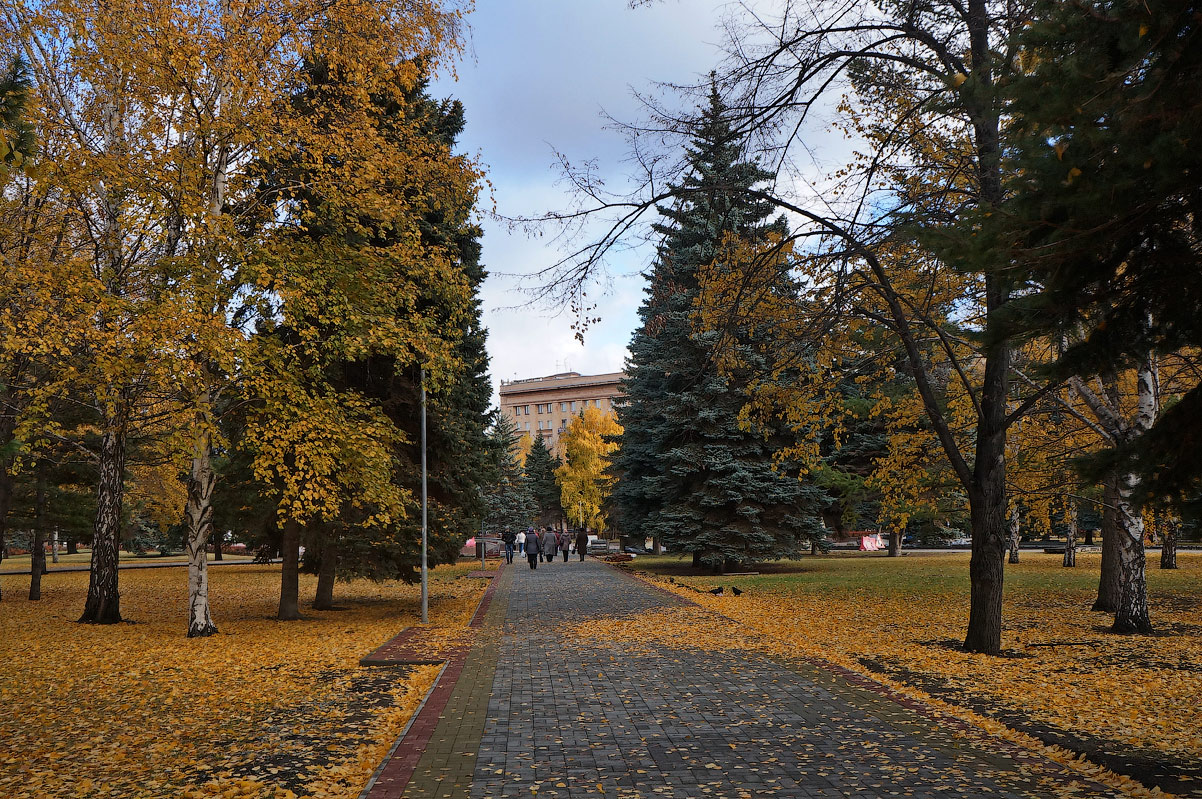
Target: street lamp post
425 569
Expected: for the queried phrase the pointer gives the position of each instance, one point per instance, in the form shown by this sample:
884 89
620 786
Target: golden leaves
583 480
901 614
137 711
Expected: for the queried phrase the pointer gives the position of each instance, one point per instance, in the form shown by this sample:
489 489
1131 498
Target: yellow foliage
583 479
136 711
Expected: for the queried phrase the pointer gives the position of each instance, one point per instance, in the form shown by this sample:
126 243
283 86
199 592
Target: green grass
915 573
22 562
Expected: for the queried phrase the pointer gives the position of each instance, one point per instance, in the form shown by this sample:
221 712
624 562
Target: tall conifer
692 476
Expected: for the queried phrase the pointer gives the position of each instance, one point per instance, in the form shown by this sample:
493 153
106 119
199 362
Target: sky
537 78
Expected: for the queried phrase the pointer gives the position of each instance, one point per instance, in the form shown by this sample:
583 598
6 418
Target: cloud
541 73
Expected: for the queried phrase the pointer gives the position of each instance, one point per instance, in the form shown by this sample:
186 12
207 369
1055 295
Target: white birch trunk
1012 529
1131 616
198 516
1070 535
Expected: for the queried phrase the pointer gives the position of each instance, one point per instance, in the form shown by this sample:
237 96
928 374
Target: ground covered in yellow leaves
1128 702
263 709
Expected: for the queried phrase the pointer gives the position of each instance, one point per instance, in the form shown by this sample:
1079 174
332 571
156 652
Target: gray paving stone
677 724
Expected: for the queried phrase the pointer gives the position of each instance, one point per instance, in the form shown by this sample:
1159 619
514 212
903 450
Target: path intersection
534 711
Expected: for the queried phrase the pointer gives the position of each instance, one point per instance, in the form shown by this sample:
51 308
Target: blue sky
537 77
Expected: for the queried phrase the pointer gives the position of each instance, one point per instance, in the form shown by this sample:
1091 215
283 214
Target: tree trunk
1012 538
895 543
1070 534
218 543
696 560
290 573
326 572
656 547
1109 585
54 545
72 546
6 500
815 548
1168 547
198 519
37 549
1131 616
103 605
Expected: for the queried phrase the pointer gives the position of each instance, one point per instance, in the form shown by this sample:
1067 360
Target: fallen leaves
903 618
263 710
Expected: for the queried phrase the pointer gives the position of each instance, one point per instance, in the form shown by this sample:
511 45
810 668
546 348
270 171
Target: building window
526 410
563 406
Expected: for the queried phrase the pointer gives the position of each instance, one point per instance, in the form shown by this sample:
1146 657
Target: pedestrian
509 538
521 540
581 542
533 550
550 544
565 542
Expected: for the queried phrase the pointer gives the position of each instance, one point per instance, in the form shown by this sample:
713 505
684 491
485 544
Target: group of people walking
543 546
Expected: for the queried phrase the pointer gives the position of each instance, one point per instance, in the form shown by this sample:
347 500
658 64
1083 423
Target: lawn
19 564
1128 701
262 709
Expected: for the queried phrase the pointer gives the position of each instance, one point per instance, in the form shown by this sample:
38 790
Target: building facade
543 406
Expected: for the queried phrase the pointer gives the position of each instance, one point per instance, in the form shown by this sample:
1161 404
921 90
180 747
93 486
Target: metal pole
425 569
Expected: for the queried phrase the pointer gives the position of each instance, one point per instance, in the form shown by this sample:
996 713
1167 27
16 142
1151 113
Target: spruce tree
1106 202
508 502
540 476
691 475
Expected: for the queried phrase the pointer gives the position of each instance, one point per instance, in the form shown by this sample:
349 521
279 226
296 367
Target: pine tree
692 475
508 502
1106 203
540 476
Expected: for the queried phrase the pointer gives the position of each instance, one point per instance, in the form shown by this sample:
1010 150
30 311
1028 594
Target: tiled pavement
537 713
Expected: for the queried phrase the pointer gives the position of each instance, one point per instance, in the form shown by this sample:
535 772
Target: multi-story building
543 406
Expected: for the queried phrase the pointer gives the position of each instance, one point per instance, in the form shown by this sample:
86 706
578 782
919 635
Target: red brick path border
410 646
393 775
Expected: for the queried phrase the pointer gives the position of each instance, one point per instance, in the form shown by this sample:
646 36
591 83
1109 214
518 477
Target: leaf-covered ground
1128 702
263 709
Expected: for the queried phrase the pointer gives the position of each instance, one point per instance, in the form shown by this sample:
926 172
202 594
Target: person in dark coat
549 544
509 537
533 550
565 541
581 542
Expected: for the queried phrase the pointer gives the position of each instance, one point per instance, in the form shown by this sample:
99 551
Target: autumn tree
1102 225
921 80
585 483
16 146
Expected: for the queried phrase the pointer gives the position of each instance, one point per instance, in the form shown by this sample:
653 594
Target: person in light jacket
565 542
533 550
550 544
521 539
581 542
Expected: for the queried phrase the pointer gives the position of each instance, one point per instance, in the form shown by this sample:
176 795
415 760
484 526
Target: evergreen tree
1106 205
540 476
692 475
508 502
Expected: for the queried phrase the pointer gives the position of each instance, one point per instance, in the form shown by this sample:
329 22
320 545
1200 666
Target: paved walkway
538 713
